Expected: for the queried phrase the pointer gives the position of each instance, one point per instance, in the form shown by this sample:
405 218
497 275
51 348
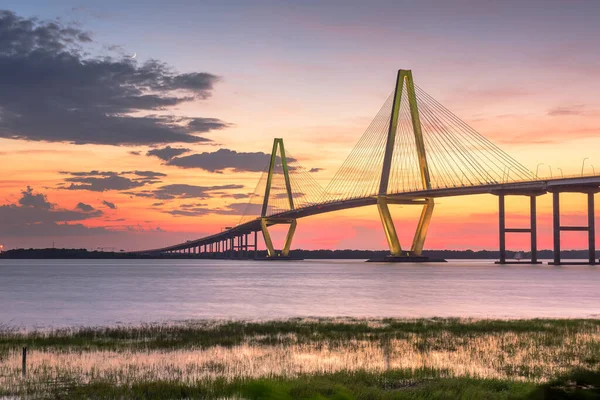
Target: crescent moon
133 56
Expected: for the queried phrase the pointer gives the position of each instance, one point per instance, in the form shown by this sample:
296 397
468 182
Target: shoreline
82 254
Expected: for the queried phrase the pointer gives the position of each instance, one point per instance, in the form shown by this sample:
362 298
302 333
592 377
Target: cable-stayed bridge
414 151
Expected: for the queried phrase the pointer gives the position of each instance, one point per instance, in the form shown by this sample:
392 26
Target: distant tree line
52 253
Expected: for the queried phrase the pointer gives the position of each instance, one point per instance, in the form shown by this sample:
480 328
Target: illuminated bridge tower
404 79
266 221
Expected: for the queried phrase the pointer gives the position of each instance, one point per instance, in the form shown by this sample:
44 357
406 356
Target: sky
102 150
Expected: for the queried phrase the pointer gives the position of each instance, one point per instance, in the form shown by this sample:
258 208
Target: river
60 293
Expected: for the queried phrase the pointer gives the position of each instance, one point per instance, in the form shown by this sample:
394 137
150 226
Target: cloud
236 196
192 212
135 153
37 200
84 207
284 195
52 90
90 173
199 210
102 181
578 109
224 159
241 209
96 184
315 169
34 215
147 174
201 125
52 229
192 205
182 191
110 205
167 153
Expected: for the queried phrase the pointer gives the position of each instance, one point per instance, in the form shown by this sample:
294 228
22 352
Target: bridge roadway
532 188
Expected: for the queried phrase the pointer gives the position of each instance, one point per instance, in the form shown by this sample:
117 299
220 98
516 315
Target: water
42 293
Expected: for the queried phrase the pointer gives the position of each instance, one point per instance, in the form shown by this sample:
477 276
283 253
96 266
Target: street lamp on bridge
537 169
583 164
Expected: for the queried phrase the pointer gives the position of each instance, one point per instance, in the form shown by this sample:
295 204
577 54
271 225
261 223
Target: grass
346 386
339 386
208 334
307 358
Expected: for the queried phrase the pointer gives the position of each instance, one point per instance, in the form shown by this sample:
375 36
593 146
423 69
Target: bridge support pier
264 225
416 250
255 244
532 230
590 228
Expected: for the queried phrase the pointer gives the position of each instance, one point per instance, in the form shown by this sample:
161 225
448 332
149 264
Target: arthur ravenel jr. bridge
413 152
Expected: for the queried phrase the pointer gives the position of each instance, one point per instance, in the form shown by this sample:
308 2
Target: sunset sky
101 150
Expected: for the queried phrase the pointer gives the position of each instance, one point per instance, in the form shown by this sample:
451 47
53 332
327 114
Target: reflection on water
95 292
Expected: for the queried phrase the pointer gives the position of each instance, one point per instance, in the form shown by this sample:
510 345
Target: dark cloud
201 125
182 191
224 159
148 174
315 170
101 181
193 205
167 153
96 184
142 193
84 207
34 215
52 91
110 205
34 200
578 109
236 196
135 153
158 204
90 173
285 196
52 229
232 209
190 212
241 209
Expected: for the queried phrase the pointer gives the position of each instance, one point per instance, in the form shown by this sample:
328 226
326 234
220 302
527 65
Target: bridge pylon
404 81
266 221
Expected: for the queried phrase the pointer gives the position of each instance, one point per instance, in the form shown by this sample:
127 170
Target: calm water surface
38 293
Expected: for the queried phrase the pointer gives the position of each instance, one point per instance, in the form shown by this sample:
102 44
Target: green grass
340 386
393 385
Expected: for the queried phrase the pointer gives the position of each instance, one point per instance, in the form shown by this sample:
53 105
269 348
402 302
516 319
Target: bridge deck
538 187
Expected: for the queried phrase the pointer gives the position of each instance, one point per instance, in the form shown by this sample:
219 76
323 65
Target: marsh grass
205 334
216 359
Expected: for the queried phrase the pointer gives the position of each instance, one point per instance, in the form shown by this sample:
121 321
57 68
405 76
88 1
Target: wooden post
24 362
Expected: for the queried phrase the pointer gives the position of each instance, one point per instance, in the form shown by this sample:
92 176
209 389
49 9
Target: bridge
414 151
